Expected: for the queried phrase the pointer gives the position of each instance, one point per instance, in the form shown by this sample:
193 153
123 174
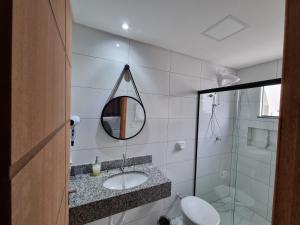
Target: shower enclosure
236 150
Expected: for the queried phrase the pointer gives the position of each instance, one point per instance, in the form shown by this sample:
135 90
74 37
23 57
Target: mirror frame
106 105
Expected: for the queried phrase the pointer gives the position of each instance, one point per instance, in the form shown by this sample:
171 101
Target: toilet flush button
180 145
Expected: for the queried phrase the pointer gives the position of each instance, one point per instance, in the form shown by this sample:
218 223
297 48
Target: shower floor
240 216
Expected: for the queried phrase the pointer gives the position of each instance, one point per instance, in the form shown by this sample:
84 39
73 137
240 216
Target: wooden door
287 185
35 158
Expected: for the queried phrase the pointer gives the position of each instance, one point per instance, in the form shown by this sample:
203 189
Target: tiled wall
167 82
264 71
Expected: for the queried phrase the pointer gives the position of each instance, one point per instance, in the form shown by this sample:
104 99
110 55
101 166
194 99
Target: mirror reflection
123 117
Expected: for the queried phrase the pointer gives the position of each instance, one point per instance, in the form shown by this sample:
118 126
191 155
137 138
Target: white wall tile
209 146
180 171
95 72
151 80
90 134
209 71
184 86
225 110
91 42
272 176
259 72
180 107
214 164
181 129
208 84
88 102
279 68
208 165
187 65
87 156
257 190
149 56
210 183
141 212
260 213
254 169
155 130
157 150
173 154
156 106
261 155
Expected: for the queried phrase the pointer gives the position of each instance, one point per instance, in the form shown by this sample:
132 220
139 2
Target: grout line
119 61
98 57
252 178
17 166
57 25
129 145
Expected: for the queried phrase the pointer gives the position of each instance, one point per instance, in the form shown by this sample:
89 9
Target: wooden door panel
58 7
68 90
67 169
39 188
69 23
38 76
61 220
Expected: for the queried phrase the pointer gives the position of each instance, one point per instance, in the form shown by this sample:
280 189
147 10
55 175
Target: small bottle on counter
96 167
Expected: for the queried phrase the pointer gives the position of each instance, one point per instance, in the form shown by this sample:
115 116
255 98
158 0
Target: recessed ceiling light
225 28
117 45
125 26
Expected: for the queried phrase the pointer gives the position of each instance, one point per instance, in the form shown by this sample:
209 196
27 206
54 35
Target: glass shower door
236 154
255 143
214 156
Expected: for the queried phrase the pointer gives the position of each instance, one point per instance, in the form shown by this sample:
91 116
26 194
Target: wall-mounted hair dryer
75 120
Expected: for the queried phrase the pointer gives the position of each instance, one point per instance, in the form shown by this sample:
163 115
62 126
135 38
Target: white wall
167 82
264 71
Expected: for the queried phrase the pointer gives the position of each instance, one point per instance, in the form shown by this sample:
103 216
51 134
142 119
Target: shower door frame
223 89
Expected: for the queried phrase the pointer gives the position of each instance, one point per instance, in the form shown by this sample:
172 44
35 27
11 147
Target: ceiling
178 25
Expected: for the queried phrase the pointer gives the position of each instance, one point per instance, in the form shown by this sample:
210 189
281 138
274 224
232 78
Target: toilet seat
199 212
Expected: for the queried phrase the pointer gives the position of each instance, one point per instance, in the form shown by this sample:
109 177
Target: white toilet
198 212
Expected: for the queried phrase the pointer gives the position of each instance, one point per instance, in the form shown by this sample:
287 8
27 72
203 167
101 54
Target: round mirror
123 117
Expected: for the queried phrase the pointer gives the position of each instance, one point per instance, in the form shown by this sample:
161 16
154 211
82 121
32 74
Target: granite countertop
90 189
92 201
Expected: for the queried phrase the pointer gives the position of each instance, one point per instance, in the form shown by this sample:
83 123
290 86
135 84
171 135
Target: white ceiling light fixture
125 26
225 28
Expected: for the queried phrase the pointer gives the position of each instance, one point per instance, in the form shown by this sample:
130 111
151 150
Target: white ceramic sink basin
125 180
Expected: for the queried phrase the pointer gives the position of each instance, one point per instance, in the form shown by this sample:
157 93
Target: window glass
270 100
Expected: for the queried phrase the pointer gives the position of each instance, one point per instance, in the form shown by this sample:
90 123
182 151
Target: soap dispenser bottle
96 167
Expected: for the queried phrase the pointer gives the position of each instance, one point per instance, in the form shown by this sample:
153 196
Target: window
270 101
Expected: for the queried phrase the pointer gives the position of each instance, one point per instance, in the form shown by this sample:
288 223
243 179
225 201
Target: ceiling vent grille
225 28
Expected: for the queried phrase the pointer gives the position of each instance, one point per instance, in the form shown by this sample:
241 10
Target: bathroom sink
125 180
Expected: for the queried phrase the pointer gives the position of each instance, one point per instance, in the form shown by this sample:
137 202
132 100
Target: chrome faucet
123 162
